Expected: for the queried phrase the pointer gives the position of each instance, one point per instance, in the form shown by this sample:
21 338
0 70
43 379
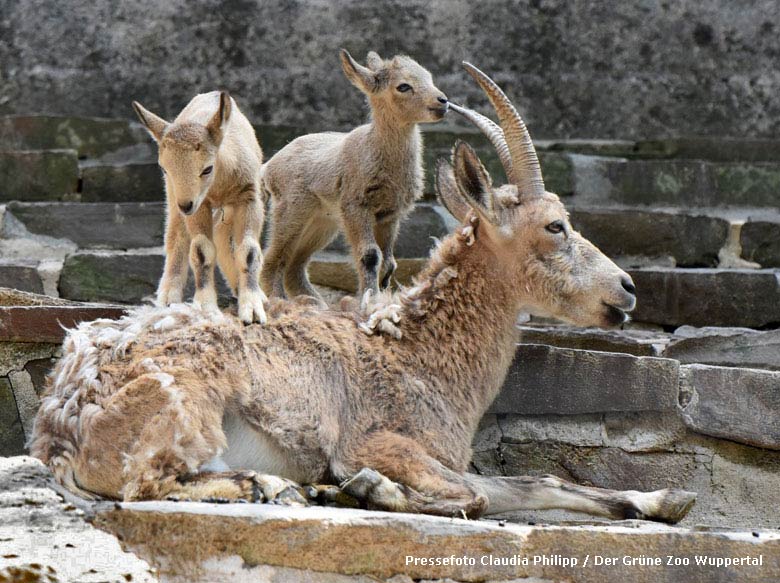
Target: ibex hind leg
317 234
398 475
506 494
286 228
232 486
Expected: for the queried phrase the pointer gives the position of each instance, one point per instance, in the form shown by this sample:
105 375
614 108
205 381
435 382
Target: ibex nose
186 208
628 285
442 99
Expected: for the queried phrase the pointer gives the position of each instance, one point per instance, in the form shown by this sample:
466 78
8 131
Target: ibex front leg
248 258
203 256
177 244
359 226
506 494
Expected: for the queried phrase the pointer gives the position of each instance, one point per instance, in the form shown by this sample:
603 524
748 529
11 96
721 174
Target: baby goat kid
211 160
167 402
364 181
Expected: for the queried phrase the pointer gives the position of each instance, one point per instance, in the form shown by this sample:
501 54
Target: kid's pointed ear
155 125
361 77
374 61
473 180
448 191
219 120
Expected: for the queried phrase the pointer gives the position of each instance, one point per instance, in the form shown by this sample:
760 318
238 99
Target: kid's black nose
186 208
442 99
628 285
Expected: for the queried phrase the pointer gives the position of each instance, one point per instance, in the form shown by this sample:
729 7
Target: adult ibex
154 404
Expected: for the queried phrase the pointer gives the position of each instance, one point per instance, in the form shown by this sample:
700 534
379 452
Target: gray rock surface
707 297
120 276
90 137
681 183
686 68
760 242
43 538
692 240
38 175
732 403
22 275
122 183
561 381
740 347
11 430
95 225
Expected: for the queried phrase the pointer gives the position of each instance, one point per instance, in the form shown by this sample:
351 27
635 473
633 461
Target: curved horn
492 132
528 173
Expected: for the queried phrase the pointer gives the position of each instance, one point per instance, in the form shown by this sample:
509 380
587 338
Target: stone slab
48 323
692 240
89 136
131 182
738 347
38 175
738 404
760 241
95 225
376 544
45 538
707 297
563 381
681 183
636 342
21 275
110 277
11 430
120 276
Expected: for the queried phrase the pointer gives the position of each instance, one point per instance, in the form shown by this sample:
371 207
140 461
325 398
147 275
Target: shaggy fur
211 161
363 182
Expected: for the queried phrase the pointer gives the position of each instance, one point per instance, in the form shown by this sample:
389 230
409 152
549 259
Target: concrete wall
634 69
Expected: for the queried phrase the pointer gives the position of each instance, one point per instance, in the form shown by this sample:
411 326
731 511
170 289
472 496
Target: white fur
251 449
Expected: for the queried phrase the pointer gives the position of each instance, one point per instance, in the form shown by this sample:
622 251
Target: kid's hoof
251 309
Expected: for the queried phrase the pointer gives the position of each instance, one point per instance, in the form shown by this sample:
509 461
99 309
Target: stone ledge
38 175
43 538
707 297
179 538
48 323
563 381
732 403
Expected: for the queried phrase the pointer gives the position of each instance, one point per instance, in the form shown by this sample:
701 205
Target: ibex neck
459 323
390 131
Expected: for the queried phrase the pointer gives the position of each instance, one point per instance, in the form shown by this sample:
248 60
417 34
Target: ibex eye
555 227
404 87
207 170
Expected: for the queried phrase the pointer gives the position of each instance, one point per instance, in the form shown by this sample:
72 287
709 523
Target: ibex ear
374 61
219 120
473 180
448 191
155 125
361 77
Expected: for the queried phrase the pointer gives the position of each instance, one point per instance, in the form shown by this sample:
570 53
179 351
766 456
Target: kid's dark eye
404 87
207 170
555 227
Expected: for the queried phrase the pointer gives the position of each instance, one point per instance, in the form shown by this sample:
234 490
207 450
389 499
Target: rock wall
577 69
